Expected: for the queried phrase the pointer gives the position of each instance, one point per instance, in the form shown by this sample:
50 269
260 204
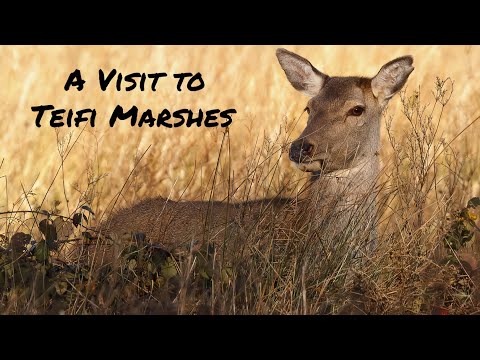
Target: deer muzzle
302 153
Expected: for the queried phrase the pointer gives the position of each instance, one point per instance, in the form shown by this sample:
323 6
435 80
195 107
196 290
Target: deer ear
391 78
301 73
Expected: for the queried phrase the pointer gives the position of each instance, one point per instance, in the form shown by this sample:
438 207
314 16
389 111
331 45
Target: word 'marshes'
209 118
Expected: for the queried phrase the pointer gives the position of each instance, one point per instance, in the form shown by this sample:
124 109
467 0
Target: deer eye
356 111
307 109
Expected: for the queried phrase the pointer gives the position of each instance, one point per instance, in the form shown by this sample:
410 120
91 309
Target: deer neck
346 186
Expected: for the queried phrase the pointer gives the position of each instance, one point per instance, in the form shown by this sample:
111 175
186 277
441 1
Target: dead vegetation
427 256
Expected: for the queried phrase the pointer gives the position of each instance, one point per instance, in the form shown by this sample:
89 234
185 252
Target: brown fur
344 159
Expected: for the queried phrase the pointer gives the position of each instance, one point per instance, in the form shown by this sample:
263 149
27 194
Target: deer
339 148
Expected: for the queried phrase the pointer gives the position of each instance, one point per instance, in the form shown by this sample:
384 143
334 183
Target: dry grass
421 187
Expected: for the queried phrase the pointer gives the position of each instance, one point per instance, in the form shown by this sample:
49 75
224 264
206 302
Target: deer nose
300 150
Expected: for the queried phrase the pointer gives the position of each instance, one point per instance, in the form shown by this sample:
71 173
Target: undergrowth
425 261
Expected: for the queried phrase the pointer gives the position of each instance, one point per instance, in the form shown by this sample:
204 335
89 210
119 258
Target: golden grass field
247 78
72 166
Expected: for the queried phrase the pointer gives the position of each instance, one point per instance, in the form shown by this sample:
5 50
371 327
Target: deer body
339 146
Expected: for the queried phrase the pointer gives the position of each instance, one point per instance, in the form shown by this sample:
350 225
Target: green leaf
61 287
473 202
158 255
227 274
204 273
169 269
86 207
205 261
50 232
77 219
132 264
41 251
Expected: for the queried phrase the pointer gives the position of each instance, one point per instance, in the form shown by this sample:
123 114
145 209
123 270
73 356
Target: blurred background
63 167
